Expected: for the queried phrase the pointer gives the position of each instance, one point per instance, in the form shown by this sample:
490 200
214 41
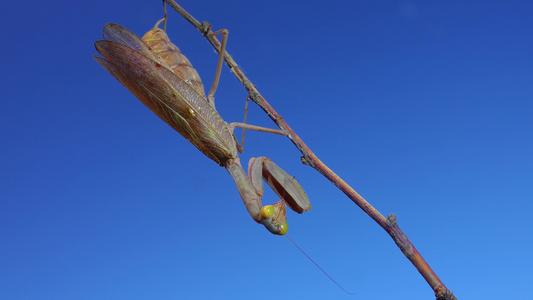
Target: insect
162 78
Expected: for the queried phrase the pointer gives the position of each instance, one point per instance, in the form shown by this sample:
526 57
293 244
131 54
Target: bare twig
388 224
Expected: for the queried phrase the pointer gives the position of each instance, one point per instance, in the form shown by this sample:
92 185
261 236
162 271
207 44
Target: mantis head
274 218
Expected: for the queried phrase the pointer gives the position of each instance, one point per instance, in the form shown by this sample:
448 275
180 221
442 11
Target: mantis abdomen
158 41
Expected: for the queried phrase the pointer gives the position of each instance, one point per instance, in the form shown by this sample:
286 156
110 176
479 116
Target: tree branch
388 224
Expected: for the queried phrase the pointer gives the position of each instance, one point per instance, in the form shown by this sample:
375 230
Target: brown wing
116 33
141 71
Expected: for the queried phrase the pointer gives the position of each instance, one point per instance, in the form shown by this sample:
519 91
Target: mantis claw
284 185
274 217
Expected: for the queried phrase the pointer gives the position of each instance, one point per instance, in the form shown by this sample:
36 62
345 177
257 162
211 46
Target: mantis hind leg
211 95
165 17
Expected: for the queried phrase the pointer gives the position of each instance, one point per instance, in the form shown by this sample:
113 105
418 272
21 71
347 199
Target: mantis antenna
331 278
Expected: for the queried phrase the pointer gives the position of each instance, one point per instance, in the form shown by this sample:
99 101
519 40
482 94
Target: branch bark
388 224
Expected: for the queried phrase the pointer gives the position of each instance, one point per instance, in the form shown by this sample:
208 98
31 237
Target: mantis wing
116 33
143 72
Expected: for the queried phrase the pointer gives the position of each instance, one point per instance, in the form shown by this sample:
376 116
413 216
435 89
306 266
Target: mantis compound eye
267 211
283 228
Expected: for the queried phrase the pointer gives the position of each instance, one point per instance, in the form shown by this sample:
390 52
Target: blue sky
423 107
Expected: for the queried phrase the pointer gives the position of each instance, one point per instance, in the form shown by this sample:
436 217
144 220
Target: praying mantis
162 78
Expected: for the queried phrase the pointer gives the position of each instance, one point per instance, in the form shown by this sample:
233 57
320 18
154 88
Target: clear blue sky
424 107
